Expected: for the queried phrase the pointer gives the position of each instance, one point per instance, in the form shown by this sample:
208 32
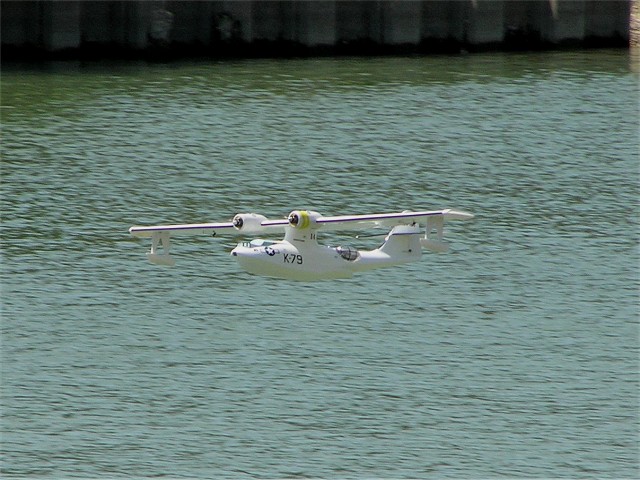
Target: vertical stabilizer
403 243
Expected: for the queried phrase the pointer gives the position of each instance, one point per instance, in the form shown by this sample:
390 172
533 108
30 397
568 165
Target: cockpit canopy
348 253
257 242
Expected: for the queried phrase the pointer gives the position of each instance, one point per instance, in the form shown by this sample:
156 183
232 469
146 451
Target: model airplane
299 256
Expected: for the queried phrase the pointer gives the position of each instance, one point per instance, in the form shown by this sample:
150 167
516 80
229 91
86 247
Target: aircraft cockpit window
348 253
259 242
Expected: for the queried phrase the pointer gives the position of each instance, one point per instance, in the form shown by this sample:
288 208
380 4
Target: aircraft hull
285 260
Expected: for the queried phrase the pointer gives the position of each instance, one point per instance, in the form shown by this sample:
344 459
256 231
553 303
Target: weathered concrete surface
634 36
400 23
316 23
486 23
273 28
566 22
61 27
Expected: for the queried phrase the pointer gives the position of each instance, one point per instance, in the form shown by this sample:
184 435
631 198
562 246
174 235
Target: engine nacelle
303 219
248 222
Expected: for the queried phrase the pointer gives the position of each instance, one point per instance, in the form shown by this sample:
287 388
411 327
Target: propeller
293 219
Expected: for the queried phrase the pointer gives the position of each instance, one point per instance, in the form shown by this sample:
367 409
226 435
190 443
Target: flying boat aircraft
299 256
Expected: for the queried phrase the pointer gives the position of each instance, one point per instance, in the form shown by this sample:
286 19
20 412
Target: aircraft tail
403 241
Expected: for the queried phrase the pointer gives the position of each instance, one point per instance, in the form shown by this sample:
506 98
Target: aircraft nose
239 251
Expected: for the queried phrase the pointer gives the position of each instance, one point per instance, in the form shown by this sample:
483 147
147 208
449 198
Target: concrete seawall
43 29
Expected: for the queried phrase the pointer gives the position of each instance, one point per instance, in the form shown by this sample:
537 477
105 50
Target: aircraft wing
246 223
253 223
387 220
187 229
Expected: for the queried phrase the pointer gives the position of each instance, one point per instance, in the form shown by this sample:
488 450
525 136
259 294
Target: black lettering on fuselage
292 258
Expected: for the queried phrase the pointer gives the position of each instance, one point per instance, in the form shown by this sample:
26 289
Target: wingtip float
299 256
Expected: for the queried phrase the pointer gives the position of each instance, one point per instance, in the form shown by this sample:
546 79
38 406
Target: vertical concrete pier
566 22
61 27
400 23
273 27
486 23
634 25
316 23
444 22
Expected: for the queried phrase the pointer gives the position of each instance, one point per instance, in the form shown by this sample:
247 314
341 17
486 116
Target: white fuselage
300 257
